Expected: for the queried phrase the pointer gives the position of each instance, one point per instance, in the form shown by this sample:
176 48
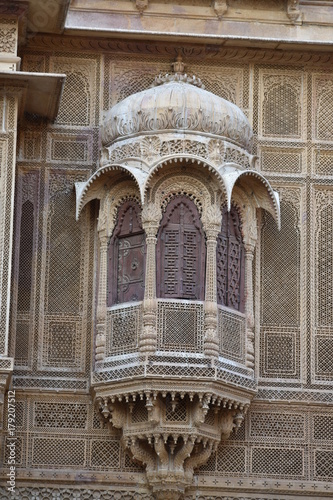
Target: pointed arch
181 252
126 256
230 261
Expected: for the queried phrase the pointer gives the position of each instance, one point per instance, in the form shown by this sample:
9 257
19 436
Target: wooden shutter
126 256
181 252
230 263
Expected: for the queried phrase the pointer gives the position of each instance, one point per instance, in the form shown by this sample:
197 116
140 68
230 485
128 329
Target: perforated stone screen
287 436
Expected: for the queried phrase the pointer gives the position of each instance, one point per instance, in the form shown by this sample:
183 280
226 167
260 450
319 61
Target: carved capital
150 216
212 221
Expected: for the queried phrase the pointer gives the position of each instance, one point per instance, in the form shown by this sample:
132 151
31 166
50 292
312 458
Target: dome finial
178 75
178 66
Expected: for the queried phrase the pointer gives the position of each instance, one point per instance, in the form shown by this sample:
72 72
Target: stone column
212 225
249 254
102 298
151 216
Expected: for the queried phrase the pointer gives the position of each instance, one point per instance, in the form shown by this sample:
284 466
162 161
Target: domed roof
177 106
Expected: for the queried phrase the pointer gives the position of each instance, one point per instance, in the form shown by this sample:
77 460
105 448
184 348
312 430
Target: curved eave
90 190
257 186
187 159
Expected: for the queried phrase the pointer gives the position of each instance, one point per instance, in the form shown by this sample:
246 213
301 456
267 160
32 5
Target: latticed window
26 255
230 262
181 252
126 256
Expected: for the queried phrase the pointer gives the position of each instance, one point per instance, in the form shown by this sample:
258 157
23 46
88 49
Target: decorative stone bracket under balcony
172 433
176 405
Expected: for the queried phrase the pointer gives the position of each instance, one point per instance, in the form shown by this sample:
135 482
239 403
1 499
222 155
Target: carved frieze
166 49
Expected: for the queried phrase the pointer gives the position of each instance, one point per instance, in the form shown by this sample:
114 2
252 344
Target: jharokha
166 250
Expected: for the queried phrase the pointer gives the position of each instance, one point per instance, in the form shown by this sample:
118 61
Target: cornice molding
170 50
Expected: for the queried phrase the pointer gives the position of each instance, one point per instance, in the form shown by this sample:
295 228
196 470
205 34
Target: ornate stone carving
150 148
220 8
151 215
175 436
8 40
195 52
189 111
141 5
293 11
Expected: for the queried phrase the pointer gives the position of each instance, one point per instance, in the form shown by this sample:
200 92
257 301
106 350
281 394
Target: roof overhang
42 91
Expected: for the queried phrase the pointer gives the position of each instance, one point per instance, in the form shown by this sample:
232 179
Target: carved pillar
212 226
150 222
102 298
250 240
249 253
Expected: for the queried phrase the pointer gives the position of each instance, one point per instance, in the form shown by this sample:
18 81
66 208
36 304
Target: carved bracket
141 5
171 433
220 8
293 11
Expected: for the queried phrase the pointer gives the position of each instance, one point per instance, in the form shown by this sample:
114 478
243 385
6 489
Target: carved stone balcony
177 228
176 405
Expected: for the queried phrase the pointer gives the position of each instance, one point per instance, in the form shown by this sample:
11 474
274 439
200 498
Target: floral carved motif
172 120
7 40
151 148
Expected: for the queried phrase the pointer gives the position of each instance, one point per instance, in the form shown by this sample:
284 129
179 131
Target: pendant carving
171 433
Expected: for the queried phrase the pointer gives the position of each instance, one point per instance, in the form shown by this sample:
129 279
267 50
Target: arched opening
126 256
181 252
230 262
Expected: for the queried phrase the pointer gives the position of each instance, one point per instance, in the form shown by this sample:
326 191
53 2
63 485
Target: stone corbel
220 8
141 5
197 459
226 423
161 452
184 452
142 452
154 411
293 11
118 415
199 413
